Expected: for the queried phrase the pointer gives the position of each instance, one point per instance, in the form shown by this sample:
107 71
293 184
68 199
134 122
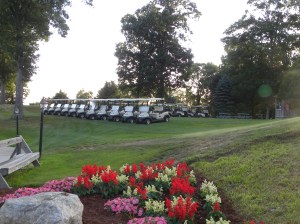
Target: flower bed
156 193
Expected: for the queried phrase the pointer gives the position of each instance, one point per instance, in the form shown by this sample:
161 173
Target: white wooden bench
15 154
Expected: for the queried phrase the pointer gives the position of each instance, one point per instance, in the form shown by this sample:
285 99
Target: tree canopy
82 94
60 95
26 22
152 60
260 47
109 90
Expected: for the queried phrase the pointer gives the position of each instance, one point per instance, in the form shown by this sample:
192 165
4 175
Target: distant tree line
261 64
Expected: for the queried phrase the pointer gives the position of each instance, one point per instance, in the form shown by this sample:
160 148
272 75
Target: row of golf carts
139 110
182 110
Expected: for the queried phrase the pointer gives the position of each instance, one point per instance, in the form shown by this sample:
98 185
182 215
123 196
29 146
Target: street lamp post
17 111
42 105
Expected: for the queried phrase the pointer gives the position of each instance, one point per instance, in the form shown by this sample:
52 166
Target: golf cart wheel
104 118
131 121
117 119
147 121
59 114
81 116
73 115
92 117
166 119
179 115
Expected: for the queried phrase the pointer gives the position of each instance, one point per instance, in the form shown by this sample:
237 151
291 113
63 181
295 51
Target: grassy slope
255 162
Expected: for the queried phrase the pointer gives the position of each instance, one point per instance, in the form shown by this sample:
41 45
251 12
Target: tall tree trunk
19 78
3 93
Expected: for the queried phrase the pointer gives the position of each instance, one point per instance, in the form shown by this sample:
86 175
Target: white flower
96 179
192 178
138 174
170 172
155 206
122 168
163 178
129 193
212 198
221 221
122 178
151 188
208 187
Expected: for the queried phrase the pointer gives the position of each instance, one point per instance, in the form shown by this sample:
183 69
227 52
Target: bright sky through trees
85 58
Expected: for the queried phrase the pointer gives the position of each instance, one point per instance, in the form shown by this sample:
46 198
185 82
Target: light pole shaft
17 124
41 134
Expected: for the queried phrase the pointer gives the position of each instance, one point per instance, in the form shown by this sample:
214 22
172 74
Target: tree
60 95
84 95
152 61
290 86
223 100
200 81
260 47
29 21
109 90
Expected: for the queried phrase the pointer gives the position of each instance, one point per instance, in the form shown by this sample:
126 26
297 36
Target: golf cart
46 109
148 117
200 111
72 110
101 114
52 108
130 110
65 109
115 114
91 112
182 111
80 113
129 115
57 109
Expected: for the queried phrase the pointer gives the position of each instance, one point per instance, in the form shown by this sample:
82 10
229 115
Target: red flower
134 168
142 167
217 207
79 181
127 169
89 170
87 183
132 181
184 208
142 192
182 170
181 186
148 174
169 163
109 176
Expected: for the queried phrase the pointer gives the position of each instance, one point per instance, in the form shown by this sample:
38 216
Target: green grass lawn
256 163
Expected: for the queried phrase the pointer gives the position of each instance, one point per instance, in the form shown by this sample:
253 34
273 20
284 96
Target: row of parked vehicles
182 110
141 110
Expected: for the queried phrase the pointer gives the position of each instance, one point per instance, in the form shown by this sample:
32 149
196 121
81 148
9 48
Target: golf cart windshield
144 109
103 107
128 108
115 108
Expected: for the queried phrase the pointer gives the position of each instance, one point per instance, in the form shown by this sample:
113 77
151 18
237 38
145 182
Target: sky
85 58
